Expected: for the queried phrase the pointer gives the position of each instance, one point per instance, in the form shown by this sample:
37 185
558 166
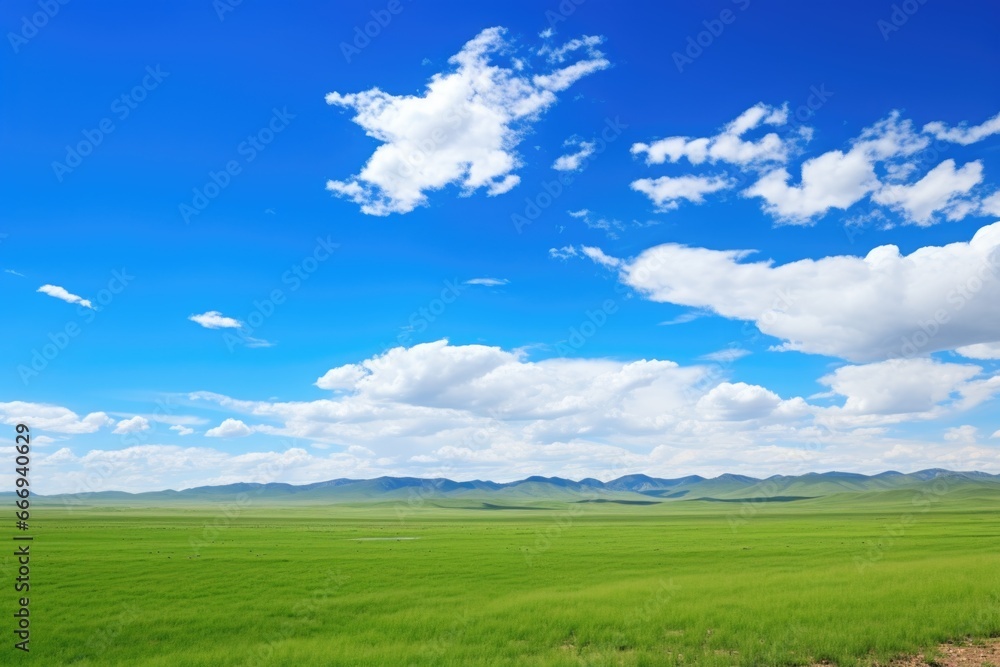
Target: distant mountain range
640 489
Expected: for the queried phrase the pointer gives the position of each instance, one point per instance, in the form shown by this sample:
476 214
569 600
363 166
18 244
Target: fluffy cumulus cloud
980 351
886 164
62 294
437 409
965 434
738 402
880 306
437 394
838 179
230 428
575 160
54 418
898 390
134 425
667 192
963 134
182 430
941 190
729 145
465 127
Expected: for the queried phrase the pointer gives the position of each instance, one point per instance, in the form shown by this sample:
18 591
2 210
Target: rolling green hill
415 491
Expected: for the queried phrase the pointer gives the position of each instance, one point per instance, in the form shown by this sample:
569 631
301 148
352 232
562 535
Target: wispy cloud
726 355
213 319
610 226
63 295
487 282
600 257
563 253
13 272
684 318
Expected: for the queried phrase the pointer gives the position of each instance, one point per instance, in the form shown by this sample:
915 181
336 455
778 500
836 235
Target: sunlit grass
672 584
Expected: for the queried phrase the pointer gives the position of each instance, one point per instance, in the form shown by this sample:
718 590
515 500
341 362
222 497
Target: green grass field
849 579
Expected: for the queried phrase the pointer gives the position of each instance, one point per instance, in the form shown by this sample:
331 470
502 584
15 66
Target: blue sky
237 237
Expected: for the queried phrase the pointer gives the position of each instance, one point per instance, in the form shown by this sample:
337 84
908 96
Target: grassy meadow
850 579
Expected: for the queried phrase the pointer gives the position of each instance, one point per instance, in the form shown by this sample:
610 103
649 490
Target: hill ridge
635 486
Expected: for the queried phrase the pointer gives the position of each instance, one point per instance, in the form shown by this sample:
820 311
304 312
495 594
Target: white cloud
62 294
668 191
133 425
725 355
487 282
213 319
469 411
182 430
832 180
597 255
738 402
965 434
563 253
728 145
937 191
559 54
981 350
609 226
163 417
963 134
46 417
13 272
486 409
837 179
434 395
230 428
155 467
575 161
462 131
878 163
898 386
342 377
684 318
990 205
858 308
